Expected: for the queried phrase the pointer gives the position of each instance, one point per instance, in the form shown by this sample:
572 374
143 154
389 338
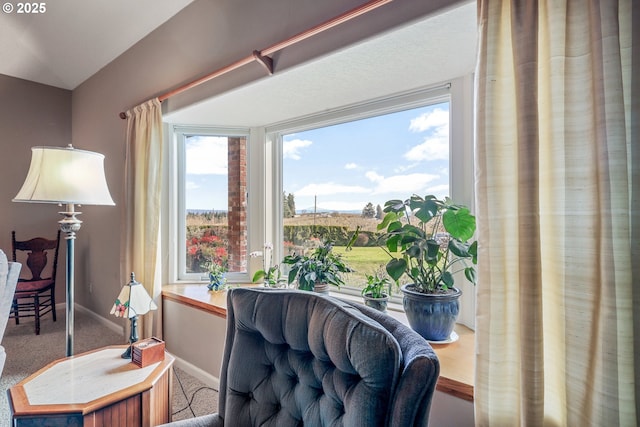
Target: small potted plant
376 292
217 273
429 241
318 270
270 276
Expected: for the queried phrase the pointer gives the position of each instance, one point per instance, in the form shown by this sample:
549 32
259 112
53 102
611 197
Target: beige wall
196 340
205 36
30 114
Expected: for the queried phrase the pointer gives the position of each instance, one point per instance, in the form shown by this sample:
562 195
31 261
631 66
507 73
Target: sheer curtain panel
143 197
557 197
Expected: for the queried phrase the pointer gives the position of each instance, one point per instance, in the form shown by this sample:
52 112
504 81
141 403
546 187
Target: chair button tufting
250 396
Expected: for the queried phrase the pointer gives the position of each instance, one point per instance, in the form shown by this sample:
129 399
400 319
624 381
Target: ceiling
432 51
73 39
419 55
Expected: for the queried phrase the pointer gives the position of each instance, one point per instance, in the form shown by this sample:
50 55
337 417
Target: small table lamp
132 301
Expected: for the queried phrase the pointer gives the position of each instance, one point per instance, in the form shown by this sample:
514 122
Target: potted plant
315 272
217 273
376 292
270 276
429 240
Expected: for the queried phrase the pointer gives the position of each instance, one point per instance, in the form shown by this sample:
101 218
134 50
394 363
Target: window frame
177 252
458 92
264 171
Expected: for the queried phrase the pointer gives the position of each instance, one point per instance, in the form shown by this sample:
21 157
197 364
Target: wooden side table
94 389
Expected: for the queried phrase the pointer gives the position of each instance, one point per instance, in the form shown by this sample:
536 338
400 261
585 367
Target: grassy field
364 261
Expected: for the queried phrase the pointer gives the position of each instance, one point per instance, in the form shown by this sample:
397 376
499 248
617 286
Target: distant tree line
208 215
370 212
289 205
289 208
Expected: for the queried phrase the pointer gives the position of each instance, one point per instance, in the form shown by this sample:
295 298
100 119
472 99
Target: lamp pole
66 176
69 225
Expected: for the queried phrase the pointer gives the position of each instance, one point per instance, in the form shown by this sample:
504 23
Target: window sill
457 362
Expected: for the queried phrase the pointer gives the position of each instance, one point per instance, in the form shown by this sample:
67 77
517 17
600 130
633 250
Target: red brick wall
237 190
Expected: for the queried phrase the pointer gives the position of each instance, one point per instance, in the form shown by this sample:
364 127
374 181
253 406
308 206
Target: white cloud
374 176
402 169
437 190
351 166
207 155
410 183
436 118
190 185
291 149
329 188
435 146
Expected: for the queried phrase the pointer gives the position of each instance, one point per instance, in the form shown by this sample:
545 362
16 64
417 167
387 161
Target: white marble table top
85 378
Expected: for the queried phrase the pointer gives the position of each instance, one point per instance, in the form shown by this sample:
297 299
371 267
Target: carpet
28 352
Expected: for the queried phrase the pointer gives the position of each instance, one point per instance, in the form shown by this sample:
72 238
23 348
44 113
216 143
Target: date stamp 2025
24 8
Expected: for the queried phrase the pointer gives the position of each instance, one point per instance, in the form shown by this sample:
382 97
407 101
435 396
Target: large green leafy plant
322 265
429 240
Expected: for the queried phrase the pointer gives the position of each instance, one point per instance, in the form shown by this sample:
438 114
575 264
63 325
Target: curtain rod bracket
266 61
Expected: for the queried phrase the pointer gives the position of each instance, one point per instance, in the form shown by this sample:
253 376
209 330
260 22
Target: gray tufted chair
295 358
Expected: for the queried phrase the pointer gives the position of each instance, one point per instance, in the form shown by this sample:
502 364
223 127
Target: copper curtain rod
263 56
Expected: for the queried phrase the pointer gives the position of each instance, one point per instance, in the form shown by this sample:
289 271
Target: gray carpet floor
27 352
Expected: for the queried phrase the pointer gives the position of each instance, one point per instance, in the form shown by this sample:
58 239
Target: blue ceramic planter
431 315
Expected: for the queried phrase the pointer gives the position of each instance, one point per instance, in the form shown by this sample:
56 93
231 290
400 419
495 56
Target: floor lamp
70 177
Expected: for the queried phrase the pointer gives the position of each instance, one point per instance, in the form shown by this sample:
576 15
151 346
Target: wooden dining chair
35 296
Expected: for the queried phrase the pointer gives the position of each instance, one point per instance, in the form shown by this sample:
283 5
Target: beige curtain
557 197
142 191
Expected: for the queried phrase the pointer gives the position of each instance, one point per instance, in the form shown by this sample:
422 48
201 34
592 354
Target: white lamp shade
133 300
65 175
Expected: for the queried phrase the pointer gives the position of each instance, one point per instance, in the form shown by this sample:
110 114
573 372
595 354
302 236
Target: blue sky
345 166
370 160
206 178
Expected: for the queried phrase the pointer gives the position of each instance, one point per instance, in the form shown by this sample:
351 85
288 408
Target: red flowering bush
205 246
289 247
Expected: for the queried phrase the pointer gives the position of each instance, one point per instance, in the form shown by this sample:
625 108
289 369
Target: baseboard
198 373
118 329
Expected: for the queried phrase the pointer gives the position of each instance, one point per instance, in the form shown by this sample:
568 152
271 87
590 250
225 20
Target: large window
211 195
337 178
337 167
290 182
